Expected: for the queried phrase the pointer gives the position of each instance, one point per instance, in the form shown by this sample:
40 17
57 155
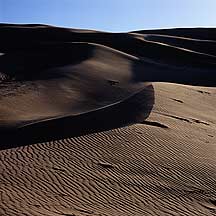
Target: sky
111 15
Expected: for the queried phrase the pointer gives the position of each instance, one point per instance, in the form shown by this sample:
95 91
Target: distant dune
99 123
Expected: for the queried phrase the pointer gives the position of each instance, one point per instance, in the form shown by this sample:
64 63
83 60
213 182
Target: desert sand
99 123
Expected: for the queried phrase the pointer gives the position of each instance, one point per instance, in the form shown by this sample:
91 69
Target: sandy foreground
96 123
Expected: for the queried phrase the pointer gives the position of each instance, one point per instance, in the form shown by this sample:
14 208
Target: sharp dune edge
98 123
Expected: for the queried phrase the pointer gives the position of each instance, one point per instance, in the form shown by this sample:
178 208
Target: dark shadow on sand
135 108
30 63
38 48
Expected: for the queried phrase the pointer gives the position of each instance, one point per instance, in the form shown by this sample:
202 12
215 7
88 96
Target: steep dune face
84 78
89 124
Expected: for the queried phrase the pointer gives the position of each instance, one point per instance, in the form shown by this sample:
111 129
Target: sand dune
98 123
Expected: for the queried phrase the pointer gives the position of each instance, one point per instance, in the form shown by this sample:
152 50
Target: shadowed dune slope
99 123
196 33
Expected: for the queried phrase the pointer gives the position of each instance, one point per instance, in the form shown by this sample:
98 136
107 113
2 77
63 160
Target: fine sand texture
101 124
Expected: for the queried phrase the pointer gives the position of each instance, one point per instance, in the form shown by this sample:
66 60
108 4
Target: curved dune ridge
99 123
